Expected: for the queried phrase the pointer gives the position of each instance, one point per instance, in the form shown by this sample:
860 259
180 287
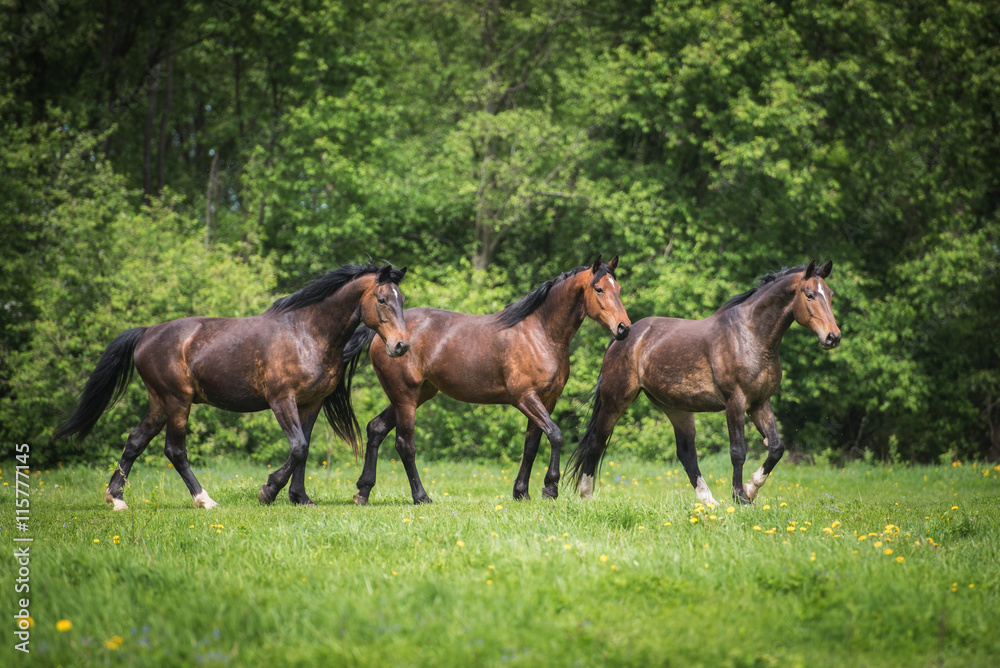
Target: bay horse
519 357
725 362
288 359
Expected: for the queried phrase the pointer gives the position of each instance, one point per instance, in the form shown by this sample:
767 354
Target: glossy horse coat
519 356
726 362
288 359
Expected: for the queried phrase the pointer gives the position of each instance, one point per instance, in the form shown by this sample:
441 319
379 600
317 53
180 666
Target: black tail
589 448
105 386
337 406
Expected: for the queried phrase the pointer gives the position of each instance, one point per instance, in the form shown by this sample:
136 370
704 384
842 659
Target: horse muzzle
831 341
622 331
397 350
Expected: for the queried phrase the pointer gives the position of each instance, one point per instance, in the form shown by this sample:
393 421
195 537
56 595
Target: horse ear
384 273
810 270
597 264
614 263
825 270
402 273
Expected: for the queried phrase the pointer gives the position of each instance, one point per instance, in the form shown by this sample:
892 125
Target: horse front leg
287 413
540 422
177 411
297 487
377 430
736 420
140 437
763 418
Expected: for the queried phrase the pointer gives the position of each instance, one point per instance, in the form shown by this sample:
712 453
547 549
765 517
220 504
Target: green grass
629 578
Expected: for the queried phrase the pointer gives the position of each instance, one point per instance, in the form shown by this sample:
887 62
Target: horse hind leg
297 487
144 432
616 391
176 452
763 418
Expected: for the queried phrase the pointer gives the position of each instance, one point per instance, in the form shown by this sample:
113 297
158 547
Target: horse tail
106 385
589 448
337 407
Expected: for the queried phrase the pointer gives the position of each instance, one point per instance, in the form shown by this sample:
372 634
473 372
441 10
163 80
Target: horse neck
562 312
770 313
336 317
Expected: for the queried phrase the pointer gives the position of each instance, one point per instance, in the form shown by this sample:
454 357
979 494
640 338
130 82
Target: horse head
382 310
812 305
602 298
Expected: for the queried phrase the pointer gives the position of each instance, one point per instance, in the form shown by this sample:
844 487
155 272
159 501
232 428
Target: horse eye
381 300
810 295
599 291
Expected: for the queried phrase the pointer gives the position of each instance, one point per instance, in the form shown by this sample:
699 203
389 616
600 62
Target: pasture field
862 566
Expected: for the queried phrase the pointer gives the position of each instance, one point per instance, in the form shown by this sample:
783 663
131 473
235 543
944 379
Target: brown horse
519 357
288 359
728 361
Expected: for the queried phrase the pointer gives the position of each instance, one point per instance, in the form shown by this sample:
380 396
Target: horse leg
615 393
736 420
540 421
377 430
297 488
405 424
763 417
140 437
684 433
176 452
287 412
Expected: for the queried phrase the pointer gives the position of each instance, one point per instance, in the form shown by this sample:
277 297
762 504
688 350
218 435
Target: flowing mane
326 285
762 283
521 309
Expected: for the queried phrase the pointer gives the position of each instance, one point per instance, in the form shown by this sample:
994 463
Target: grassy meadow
862 566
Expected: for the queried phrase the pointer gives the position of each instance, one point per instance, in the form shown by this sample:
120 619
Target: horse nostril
832 339
401 348
622 330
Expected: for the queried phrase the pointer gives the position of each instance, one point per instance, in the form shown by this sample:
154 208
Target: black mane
326 285
519 310
762 282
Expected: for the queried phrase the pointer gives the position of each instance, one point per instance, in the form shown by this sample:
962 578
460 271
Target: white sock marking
203 500
586 486
703 493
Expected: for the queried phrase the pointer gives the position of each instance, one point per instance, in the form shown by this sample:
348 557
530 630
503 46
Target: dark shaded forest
168 159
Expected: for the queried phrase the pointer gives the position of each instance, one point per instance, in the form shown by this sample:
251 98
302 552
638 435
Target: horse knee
377 431
407 451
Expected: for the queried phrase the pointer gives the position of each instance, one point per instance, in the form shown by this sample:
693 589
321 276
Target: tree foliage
198 158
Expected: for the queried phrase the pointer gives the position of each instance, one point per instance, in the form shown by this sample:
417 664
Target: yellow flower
97 540
767 506
757 528
730 509
782 504
694 520
567 546
499 507
603 557
114 642
877 543
489 582
813 557
887 550
460 543
495 534
954 507
835 524
862 537
64 625
899 560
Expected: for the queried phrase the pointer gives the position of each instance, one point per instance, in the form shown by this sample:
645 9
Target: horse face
602 299
813 305
382 311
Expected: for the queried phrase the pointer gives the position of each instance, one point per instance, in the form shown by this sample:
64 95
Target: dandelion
693 520
767 506
887 551
499 506
97 540
899 560
954 507
877 544
813 557
782 504
460 543
406 519
489 582
64 625
114 642
835 524
862 537
567 546
613 567
117 539
757 527
495 534
603 557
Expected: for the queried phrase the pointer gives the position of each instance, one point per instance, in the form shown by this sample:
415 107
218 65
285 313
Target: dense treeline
200 158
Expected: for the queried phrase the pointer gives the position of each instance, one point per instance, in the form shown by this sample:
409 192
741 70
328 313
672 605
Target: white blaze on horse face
203 500
703 493
757 481
586 486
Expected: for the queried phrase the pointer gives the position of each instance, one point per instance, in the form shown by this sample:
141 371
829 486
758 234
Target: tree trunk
161 154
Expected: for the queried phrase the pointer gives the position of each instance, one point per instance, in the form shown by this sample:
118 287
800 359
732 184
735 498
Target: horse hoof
360 500
422 500
265 497
740 497
302 502
203 500
550 493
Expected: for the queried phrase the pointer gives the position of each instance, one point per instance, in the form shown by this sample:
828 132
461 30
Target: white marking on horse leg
703 493
757 481
203 500
116 504
586 486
